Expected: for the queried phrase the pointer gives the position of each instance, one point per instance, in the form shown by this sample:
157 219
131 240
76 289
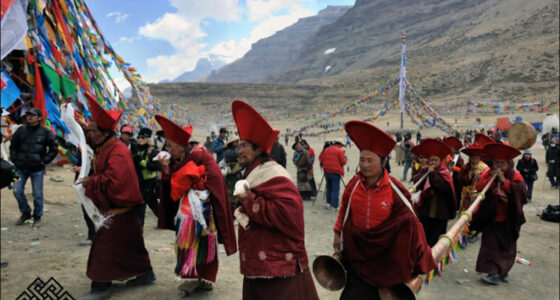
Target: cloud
220 10
183 30
124 39
118 16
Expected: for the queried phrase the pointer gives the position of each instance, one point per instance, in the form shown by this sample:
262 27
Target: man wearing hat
500 216
196 247
118 250
437 202
146 169
220 144
32 147
127 133
374 223
527 166
272 242
454 162
553 161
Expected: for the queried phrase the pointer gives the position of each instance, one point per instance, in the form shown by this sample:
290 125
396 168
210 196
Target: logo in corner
40 290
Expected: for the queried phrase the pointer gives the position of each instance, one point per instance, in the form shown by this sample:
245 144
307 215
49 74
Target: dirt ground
53 250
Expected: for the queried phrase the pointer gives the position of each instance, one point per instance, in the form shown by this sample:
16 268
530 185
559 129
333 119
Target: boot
24 217
491 279
36 222
142 279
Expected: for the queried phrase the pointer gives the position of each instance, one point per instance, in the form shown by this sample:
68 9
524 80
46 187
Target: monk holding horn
382 241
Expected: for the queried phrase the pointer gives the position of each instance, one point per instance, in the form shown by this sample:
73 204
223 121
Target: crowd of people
202 191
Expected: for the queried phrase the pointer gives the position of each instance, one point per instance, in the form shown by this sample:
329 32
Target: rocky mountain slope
275 53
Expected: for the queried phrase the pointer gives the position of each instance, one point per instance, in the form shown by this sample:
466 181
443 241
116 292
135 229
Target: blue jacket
219 149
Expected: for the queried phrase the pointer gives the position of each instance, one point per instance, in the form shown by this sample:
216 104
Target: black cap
223 129
34 111
147 132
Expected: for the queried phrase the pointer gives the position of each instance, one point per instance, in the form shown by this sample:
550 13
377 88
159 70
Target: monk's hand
336 242
84 181
242 190
431 168
76 169
501 176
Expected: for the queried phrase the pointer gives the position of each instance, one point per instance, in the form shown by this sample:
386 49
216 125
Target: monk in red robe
117 251
383 243
437 202
454 162
500 216
270 213
216 210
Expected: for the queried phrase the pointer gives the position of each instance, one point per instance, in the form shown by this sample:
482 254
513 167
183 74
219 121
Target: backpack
551 213
8 174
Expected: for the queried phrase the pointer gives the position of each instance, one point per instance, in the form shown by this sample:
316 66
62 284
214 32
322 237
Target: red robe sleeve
114 182
277 204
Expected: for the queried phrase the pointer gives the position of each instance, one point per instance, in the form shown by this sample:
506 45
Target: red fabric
482 139
218 198
39 98
368 137
431 147
174 132
498 248
438 184
391 252
453 143
473 150
104 119
370 205
333 160
183 179
274 245
66 35
5 6
251 126
118 251
500 151
311 153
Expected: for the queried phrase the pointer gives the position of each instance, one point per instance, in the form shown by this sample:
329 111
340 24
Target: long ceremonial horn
415 186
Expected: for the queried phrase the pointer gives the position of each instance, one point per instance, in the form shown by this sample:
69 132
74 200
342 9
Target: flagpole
402 78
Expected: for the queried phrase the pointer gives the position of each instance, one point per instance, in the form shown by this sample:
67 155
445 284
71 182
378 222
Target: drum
522 135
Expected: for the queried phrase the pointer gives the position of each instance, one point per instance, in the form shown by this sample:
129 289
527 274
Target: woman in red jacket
332 161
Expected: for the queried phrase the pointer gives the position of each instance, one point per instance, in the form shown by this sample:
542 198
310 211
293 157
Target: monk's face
370 164
435 161
247 153
125 136
474 160
500 165
95 136
177 151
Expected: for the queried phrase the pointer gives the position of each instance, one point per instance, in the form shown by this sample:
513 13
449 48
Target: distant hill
203 68
277 52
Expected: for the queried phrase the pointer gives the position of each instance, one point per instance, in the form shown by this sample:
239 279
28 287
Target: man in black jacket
527 166
553 161
31 148
278 153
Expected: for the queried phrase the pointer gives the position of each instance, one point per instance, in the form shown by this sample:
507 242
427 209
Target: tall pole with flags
402 78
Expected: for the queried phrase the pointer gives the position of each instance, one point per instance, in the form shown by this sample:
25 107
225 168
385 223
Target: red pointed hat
174 132
482 139
453 143
431 147
252 127
500 151
473 150
106 119
368 137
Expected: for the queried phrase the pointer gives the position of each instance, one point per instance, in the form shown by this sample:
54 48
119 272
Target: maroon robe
272 250
441 187
393 251
216 184
498 248
117 252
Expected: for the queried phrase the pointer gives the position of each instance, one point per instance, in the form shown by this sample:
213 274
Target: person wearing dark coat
500 216
146 169
278 153
527 166
553 161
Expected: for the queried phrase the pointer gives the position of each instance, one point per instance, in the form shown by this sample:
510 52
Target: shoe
86 242
36 222
4 263
24 217
142 279
328 206
504 278
491 279
99 295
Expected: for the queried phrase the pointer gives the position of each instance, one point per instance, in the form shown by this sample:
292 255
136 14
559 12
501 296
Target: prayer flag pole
402 78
